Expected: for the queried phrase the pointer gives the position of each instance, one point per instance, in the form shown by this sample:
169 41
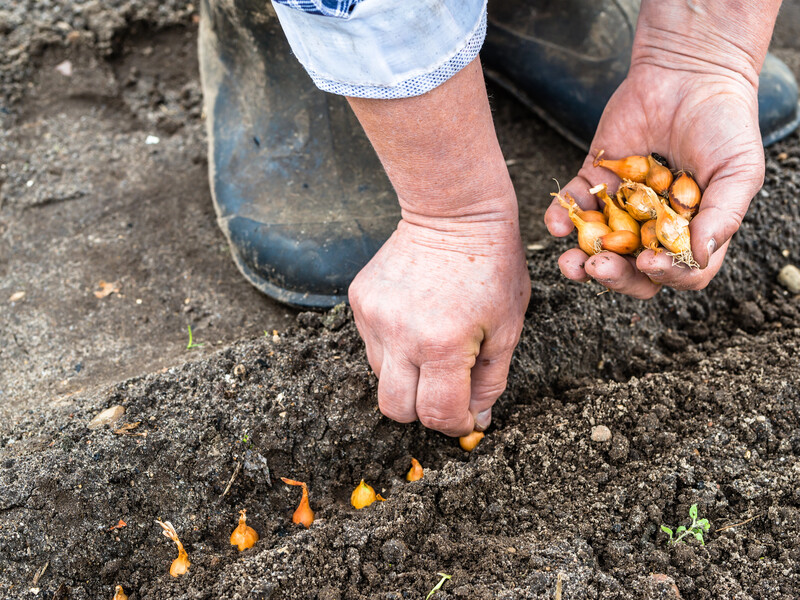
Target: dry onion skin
672 231
244 536
641 201
415 473
180 565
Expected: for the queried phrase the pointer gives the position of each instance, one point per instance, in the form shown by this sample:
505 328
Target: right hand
440 310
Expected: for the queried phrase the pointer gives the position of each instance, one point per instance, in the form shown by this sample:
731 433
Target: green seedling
191 343
438 586
697 528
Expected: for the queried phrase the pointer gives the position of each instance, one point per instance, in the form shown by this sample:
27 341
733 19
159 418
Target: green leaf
666 530
438 586
698 535
693 512
704 524
681 529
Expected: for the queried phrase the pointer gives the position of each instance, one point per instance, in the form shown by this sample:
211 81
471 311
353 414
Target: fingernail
654 273
483 419
712 247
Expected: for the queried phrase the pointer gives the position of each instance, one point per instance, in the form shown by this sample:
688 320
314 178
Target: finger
489 379
443 396
573 265
397 389
619 273
371 343
659 268
722 208
557 217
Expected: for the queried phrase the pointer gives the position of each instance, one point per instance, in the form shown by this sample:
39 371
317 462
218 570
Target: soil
699 390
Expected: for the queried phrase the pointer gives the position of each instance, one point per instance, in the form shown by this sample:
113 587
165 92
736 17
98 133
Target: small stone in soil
601 433
107 417
789 277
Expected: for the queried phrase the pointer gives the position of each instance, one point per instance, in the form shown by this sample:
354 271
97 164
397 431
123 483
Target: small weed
191 343
697 528
439 585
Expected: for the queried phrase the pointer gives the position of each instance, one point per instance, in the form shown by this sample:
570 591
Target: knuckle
489 391
392 409
440 421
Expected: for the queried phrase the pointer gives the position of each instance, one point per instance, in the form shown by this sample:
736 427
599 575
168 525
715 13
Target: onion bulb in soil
649 237
618 218
641 201
181 564
588 231
363 496
659 177
672 231
684 196
471 440
243 536
621 241
415 473
634 168
119 594
303 514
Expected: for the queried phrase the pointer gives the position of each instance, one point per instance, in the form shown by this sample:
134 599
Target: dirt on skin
699 391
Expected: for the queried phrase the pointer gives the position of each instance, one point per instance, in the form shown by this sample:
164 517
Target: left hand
704 122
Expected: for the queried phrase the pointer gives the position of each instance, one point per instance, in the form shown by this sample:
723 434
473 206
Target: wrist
708 37
473 197
441 153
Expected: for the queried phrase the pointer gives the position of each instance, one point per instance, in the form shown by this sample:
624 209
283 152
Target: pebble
660 582
789 277
107 417
601 433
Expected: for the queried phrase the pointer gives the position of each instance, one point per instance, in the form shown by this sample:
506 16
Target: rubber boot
298 190
565 58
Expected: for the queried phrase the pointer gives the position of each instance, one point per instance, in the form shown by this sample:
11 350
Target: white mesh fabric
416 86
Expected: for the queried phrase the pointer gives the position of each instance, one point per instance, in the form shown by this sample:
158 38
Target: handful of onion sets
651 210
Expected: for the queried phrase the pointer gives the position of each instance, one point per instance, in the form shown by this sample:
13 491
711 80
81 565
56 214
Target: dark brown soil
700 392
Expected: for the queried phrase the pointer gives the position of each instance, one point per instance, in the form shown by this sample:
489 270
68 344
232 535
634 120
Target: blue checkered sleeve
327 8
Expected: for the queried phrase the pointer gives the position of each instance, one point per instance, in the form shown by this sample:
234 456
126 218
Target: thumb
489 378
722 208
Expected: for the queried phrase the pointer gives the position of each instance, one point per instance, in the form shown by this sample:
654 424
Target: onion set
363 496
634 168
303 515
589 232
244 536
119 594
651 210
415 473
181 564
471 440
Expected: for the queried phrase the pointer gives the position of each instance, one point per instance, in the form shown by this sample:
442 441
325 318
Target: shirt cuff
384 48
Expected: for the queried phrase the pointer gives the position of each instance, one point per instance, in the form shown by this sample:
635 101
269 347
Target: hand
440 310
704 121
